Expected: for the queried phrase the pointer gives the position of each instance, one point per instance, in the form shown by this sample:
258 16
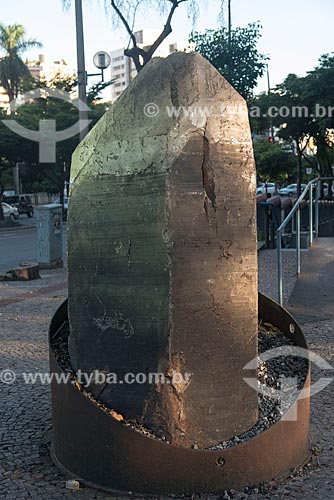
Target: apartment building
42 69
4 101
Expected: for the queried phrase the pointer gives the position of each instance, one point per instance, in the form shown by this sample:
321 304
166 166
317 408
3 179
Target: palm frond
28 44
13 71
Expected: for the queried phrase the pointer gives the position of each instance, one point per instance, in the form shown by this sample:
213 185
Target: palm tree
12 69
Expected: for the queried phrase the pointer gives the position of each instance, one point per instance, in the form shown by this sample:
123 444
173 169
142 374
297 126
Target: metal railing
313 226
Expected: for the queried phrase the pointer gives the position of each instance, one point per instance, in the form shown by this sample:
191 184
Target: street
27 221
20 244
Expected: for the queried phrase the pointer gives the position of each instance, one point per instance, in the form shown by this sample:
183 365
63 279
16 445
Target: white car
291 190
266 188
9 211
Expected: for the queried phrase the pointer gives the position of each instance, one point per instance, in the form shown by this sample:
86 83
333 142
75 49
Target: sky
295 32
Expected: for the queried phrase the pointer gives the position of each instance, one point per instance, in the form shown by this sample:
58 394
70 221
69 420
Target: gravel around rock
273 401
26 469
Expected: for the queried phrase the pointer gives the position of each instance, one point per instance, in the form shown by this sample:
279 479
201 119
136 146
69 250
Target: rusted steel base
91 445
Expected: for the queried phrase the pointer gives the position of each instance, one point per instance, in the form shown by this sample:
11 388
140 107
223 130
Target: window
120 75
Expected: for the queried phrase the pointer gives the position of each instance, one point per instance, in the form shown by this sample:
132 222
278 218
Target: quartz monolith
163 254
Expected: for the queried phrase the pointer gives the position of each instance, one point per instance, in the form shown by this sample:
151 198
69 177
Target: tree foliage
272 162
13 71
234 55
14 148
301 109
319 92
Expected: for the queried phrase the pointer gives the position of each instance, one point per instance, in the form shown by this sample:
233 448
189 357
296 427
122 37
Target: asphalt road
18 245
27 221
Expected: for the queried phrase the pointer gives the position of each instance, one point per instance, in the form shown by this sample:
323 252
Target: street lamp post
83 112
271 128
229 21
102 61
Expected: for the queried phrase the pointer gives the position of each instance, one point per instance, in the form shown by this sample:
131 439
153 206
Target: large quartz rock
163 254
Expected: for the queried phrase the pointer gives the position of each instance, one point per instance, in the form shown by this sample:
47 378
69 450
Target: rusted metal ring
100 451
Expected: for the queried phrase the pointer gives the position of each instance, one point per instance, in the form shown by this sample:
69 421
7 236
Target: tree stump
25 272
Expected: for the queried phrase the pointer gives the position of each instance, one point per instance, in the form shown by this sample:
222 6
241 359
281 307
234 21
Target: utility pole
83 112
271 128
268 78
229 21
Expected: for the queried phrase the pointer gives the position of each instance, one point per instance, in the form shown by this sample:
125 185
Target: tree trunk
25 272
12 102
135 53
325 165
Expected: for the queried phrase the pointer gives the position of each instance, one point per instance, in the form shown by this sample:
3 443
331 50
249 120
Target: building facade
42 69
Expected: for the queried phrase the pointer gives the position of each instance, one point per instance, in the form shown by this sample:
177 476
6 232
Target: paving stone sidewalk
26 470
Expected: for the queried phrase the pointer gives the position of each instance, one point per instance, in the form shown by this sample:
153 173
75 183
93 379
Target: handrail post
279 267
290 217
298 241
317 209
311 215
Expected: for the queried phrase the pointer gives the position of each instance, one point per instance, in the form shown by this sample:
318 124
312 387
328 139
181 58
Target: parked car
9 211
266 188
290 190
22 203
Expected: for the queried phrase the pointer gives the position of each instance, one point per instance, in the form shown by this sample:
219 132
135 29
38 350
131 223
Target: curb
20 227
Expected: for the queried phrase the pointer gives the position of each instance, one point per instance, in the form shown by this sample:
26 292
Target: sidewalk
26 470
312 297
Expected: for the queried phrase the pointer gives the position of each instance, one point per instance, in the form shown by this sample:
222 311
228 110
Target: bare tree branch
124 21
134 19
137 53
165 32
126 12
